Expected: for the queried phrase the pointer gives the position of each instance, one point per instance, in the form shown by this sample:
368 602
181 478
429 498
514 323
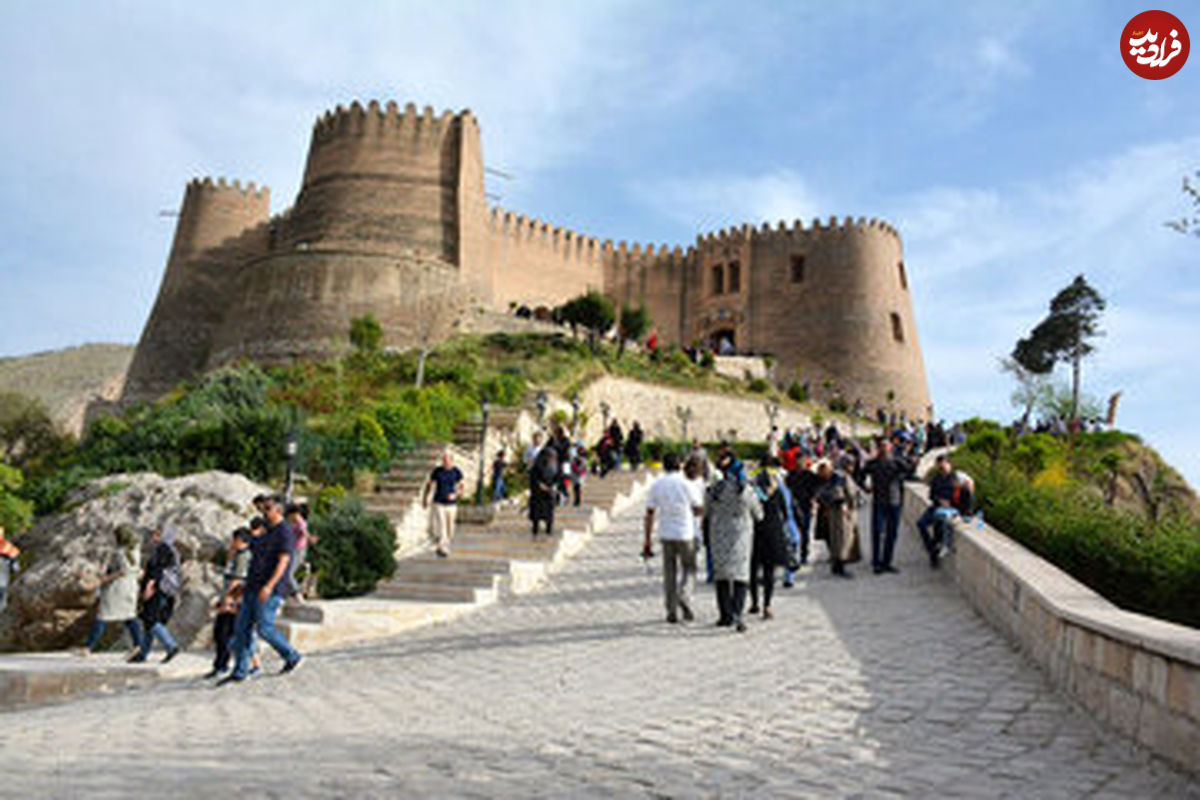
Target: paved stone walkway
874 687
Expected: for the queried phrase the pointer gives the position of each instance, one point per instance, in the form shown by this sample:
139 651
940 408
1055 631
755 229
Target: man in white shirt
676 503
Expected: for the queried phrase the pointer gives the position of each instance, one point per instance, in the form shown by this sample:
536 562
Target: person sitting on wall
943 491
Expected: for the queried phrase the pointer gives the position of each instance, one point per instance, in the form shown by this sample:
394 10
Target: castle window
735 277
897 328
718 279
797 269
903 277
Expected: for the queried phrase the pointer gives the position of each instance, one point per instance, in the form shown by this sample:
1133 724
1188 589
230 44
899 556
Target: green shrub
796 391
759 385
356 549
15 513
1143 565
503 389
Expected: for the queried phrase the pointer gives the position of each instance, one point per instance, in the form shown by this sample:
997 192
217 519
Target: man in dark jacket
943 491
886 472
263 593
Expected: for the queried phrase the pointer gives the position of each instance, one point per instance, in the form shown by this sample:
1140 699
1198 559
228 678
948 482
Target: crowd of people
811 484
260 574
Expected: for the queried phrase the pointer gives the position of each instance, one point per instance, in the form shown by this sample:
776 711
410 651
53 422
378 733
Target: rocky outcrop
53 601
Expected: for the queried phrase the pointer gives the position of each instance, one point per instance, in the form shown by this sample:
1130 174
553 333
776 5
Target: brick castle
829 301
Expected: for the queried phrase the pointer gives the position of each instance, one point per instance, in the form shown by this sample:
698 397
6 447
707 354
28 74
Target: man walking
886 472
446 483
263 594
676 503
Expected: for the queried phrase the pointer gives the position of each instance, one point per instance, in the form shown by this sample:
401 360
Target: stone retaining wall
1138 674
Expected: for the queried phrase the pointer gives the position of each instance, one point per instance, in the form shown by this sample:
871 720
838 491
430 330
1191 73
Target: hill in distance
67 380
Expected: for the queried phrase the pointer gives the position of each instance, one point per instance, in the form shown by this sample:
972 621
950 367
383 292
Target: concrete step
434 593
434 568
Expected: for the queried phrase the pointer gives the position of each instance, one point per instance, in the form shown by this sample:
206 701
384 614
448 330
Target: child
237 565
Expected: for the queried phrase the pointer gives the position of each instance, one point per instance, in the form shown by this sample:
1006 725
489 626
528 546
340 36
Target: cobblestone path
887 686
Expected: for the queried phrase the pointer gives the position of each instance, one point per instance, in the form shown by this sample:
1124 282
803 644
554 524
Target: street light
482 453
605 408
290 448
685 416
542 400
574 414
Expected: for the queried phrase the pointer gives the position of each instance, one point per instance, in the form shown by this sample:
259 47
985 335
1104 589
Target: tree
15 513
1189 224
366 334
1030 387
28 436
435 302
634 324
1064 335
593 312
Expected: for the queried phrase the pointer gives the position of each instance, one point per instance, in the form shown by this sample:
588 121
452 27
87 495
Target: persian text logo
1155 45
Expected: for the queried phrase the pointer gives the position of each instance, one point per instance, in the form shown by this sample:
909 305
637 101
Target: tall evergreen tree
1065 335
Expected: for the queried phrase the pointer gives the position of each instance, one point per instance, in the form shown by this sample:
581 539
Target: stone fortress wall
393 200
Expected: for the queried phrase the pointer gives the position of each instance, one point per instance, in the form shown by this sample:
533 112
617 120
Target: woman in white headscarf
119 591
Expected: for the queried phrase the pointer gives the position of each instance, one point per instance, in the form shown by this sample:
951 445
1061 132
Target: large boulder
52 602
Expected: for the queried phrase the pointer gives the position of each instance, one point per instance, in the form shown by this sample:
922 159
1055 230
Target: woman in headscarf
119 591
160 584
772 539
835 500
732 510
543 477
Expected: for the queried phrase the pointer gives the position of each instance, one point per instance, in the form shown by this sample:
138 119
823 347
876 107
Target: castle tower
833 304
386 199
216 221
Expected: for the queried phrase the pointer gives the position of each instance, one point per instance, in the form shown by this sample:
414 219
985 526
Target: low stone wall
1138 674
714 415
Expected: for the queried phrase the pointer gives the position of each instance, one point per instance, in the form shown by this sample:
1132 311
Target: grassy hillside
66 380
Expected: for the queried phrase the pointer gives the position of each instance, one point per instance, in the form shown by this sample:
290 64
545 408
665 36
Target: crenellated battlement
795 229
384 120
250 190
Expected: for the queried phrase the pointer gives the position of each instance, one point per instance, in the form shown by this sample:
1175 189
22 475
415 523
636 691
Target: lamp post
484 406
574 414
605 408
542 400
685 416
290 448
772 409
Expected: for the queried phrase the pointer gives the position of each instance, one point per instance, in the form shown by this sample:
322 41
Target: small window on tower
797 269
897 328
735 277
718 279
903 277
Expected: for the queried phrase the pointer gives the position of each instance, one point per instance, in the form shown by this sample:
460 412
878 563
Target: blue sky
1008 143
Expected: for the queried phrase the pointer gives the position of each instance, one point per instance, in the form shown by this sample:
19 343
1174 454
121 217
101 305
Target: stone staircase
492 556
497 555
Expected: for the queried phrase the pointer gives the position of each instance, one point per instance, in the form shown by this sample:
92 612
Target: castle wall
300 304
220 226
657 279
533 263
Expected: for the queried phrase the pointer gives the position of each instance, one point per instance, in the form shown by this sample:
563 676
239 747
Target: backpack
171 580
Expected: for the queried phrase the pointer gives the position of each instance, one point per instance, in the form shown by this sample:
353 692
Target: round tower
388 205
832 302
219 222
382 178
